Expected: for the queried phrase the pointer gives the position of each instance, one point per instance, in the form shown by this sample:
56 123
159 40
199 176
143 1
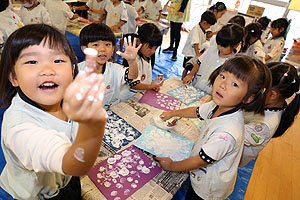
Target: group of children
51 99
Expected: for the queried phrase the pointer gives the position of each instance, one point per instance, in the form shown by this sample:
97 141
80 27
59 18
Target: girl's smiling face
43 74
228 91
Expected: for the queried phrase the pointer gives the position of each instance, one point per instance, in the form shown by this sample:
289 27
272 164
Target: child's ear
281 29
249 99
83 48
13 79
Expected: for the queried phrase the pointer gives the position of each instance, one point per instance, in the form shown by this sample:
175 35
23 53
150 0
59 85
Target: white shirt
256 50
102 5
152 10
132 16
196 36
115 14
59 13
273 48
259 130
38 15
137 4
221 140
9 22
210 60
114 78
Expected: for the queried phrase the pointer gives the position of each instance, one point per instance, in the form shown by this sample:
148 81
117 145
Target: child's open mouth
219 95
48 86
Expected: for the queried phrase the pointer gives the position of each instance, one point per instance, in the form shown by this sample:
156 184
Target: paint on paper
188 94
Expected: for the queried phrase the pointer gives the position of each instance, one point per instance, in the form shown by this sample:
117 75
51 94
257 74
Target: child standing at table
96 9
239 84
100 37
9 22
151 9
47 129
274 46
117 17
264 21
137 4
228 38
279 115
252 45
32 12
59 13
150 37
132 16
219 10
193 45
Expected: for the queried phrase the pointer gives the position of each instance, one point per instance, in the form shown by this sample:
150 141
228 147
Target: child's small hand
83 99
166 115
156 85
165 163
187 79
130 50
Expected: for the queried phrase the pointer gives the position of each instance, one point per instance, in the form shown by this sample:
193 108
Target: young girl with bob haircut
252 45
239 84
150 37
274 45
219 10
228 39
52 123
278 117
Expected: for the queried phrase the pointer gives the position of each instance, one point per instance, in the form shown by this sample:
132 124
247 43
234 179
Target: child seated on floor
151 9
32 12
150 37
213 164
47 129
228 38
193 45
100 37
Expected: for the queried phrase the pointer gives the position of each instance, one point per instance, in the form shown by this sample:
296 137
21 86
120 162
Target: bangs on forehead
243 69
54 44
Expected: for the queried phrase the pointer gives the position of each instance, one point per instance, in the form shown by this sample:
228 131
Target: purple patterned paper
122 174
160 100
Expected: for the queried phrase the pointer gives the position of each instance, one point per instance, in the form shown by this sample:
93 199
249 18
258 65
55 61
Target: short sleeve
195 36
217 146
256 133
277 49
124 16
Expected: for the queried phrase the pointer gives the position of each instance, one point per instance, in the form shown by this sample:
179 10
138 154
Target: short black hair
219 6
280 23
150 34
3 5
238 19
209 17
94 32
264 21
230 35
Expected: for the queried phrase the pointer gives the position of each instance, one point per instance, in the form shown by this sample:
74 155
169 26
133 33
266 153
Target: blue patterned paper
162 143
187 95
118 132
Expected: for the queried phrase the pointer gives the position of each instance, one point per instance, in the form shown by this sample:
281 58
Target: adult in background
178 12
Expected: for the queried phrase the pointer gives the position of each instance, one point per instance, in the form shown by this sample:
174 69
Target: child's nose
47 70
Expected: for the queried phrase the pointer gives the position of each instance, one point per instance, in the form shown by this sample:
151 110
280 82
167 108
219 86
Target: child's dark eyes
234 84
59 61
31 62
222 76
108 44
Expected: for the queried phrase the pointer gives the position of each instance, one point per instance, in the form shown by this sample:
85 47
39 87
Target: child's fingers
138 48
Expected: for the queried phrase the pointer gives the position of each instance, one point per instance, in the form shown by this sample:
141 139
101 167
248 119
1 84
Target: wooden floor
276 174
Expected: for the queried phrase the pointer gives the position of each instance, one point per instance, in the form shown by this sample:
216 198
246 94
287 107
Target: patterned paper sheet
162 143
187 95
204 99
122 174
118 132
160 100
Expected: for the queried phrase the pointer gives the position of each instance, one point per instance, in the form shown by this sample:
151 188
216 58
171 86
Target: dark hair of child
149 34
285 81
255 73
94 32
252 30
280 23
209 17
237 19
229 35
264 21
29 35
3 5
219 7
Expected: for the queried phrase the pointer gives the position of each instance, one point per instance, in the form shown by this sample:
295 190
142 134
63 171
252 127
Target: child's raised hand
165 163
130 50
83 99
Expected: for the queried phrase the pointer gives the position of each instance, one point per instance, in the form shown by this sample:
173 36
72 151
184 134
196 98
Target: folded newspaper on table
162 143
